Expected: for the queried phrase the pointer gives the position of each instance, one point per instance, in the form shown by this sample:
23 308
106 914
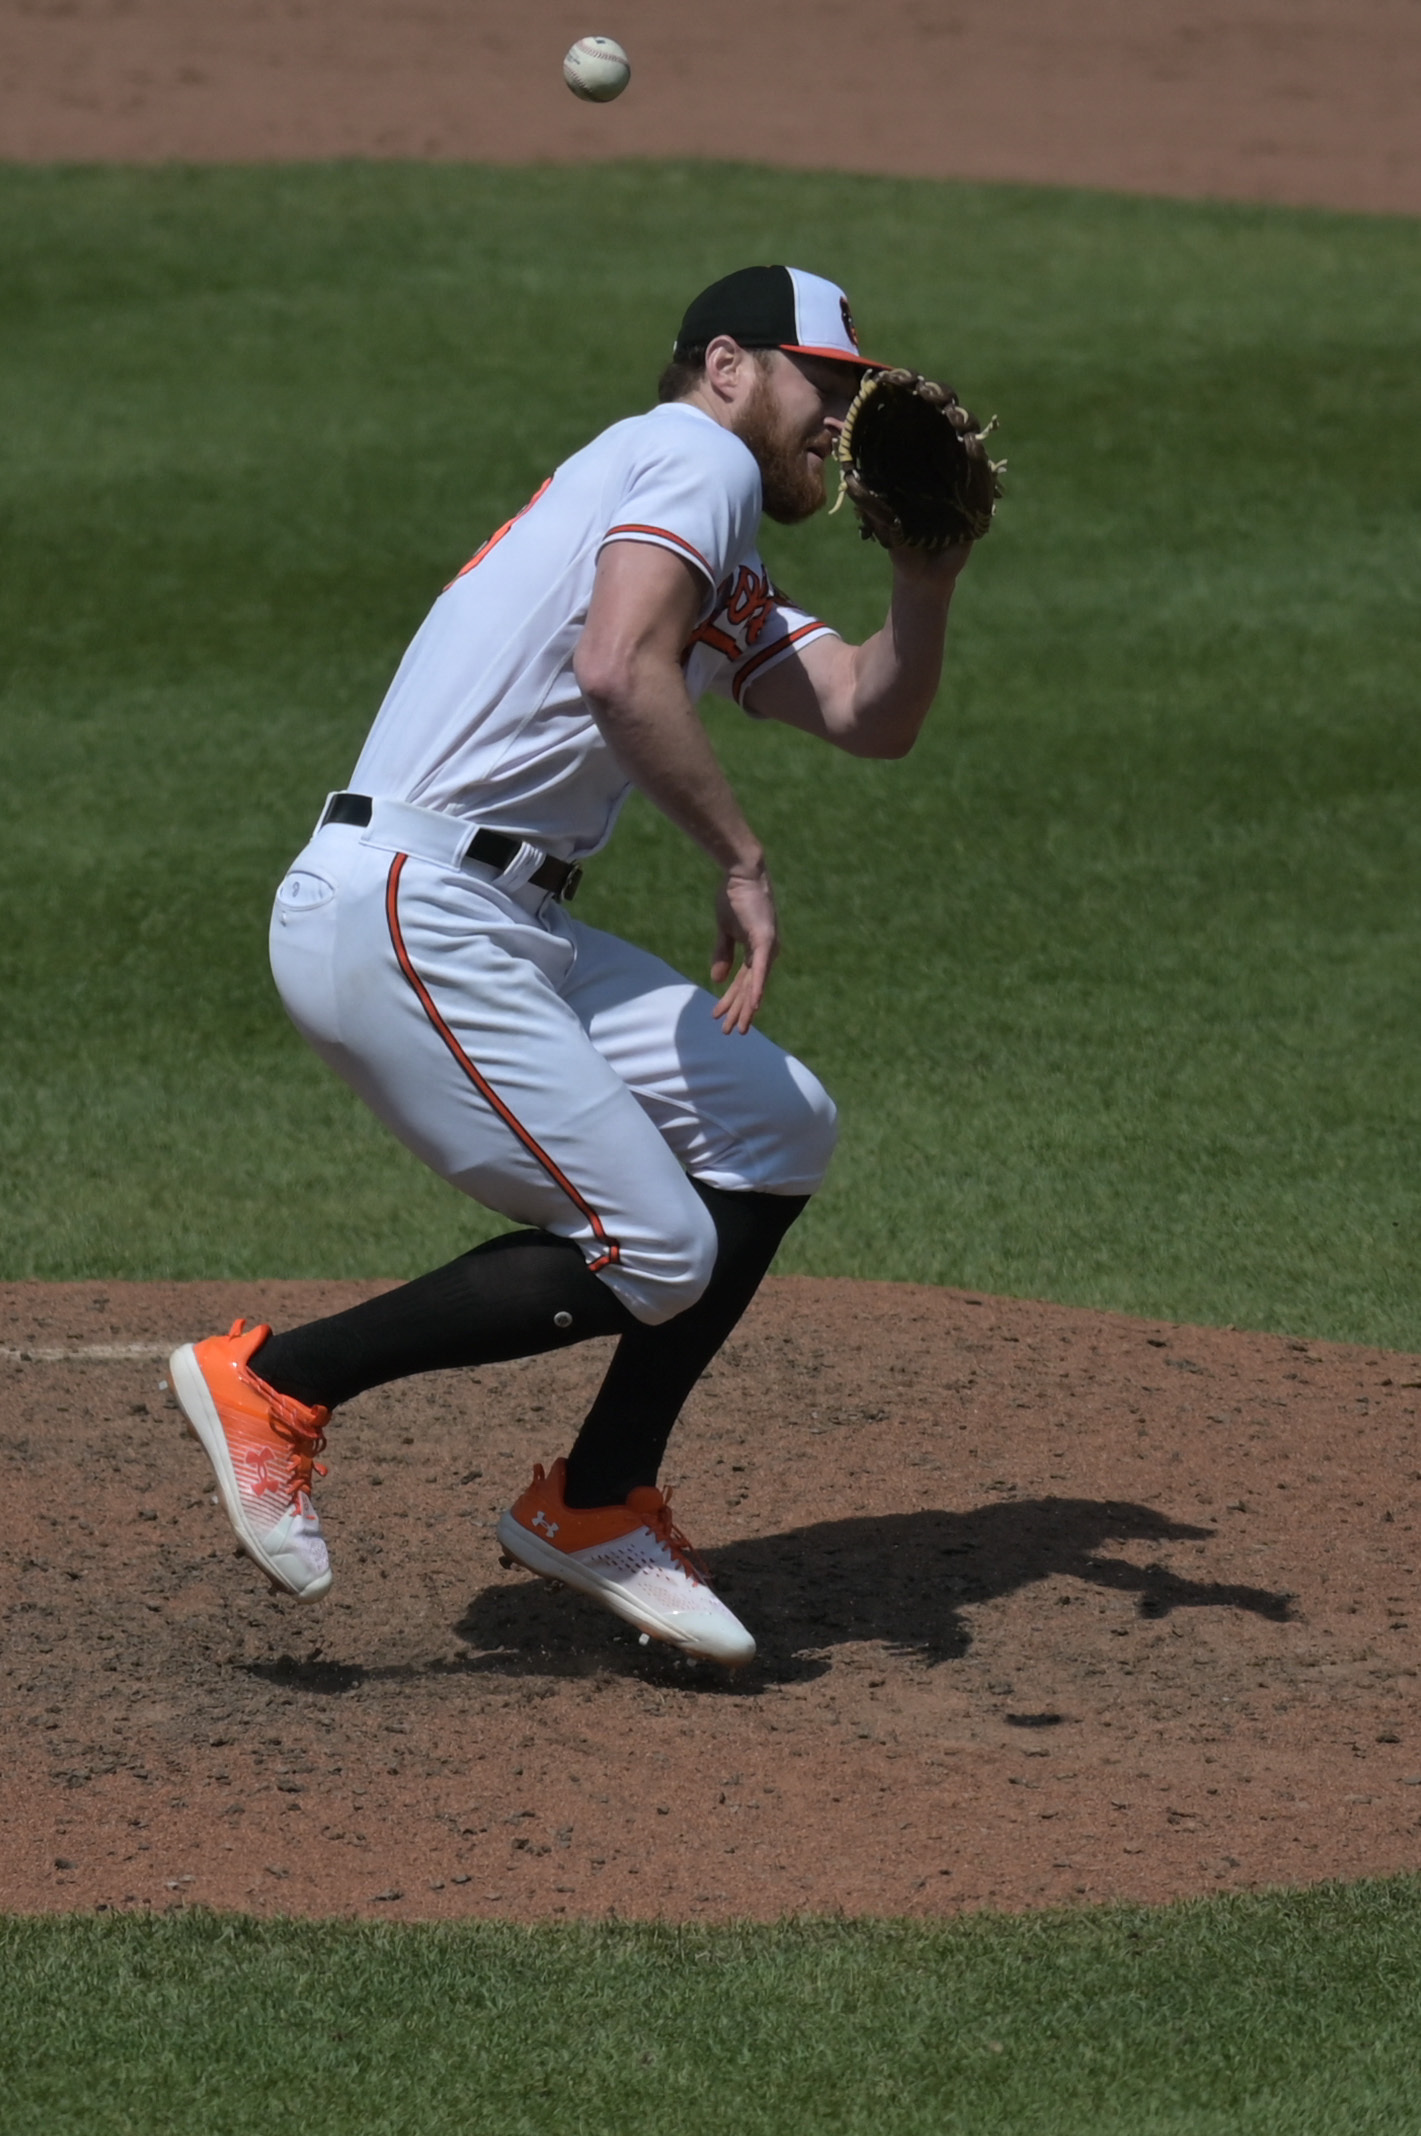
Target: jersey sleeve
690 487
750 629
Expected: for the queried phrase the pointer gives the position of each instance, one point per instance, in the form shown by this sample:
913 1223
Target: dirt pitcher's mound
1052 1606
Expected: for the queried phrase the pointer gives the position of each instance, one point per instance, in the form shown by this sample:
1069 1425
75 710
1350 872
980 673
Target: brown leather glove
915 464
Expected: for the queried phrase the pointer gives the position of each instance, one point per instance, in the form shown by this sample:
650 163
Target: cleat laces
291 1421
664 1528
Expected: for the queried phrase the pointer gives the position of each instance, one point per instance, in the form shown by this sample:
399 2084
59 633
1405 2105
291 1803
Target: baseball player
652 1146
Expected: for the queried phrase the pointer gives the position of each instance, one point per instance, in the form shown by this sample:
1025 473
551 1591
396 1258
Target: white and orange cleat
631 1558
263 1447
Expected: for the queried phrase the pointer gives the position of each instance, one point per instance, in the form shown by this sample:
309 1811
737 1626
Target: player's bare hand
746 920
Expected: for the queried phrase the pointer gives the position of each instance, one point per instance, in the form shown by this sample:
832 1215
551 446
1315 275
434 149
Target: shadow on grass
902 1579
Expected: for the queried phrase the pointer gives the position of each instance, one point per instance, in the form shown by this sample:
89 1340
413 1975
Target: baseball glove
914 464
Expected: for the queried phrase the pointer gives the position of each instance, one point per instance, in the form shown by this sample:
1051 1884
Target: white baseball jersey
484 719
549 1070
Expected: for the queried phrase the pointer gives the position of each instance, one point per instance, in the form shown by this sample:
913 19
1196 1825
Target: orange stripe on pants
611 1250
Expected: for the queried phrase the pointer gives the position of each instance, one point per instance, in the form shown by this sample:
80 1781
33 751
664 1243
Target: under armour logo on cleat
549 1527
264 1472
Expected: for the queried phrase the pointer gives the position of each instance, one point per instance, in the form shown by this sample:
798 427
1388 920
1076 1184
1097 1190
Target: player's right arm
645 604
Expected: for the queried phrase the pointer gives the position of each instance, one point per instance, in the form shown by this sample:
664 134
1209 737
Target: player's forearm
644 710
891 679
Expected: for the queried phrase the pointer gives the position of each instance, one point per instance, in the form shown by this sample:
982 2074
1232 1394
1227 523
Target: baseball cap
776 308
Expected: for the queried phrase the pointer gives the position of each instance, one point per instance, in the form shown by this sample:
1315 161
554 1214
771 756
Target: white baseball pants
554 1073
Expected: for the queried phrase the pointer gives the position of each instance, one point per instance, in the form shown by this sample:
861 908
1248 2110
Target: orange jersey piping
678 541
770 652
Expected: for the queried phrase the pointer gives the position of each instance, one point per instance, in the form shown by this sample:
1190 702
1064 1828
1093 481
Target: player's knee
690 1263
822 1135
667 1275
808 1131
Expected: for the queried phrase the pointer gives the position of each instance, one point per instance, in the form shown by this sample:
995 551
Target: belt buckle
570 884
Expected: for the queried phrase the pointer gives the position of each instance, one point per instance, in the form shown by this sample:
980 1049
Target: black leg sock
624 1438
511 1297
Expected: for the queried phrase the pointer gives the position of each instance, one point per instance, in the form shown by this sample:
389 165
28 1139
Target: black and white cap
776 308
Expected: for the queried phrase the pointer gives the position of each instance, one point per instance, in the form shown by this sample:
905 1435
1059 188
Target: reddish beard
791 483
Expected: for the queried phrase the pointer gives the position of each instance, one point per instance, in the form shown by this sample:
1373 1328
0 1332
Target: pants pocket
302 946
301 890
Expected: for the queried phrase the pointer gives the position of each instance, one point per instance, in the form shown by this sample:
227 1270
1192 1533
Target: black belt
494 848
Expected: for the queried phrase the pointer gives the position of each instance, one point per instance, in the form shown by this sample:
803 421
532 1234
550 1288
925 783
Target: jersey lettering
494 539
718 640
749 605
743 606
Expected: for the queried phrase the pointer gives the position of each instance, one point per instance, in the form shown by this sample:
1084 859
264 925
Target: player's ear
726 363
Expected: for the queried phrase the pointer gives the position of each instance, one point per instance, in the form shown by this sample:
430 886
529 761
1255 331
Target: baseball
596 69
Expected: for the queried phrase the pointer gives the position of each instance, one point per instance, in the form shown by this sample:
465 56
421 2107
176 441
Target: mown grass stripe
1114 978
1282 2014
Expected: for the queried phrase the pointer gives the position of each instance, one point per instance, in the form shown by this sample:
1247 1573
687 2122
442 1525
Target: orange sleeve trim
611 1249
772 653
631 531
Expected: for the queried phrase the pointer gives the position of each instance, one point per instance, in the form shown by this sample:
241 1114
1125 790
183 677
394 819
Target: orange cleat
630 1558
263 1448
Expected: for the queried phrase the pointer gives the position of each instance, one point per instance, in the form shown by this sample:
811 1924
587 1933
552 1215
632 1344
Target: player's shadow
901 1579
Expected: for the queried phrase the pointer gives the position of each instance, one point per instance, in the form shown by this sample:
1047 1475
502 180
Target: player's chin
797 494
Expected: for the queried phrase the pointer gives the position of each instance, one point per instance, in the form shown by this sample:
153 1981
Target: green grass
1115 978
1289 2014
